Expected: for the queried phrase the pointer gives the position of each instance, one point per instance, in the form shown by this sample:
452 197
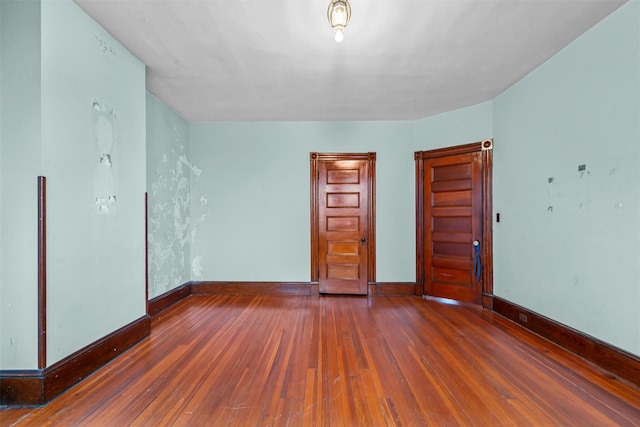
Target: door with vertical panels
342 221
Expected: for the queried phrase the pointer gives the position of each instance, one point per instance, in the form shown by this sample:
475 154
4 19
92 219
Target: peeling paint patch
172 229
105 137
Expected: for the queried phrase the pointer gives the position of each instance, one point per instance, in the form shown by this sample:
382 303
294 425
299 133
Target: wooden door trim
315 158
487 224
450 151
486 147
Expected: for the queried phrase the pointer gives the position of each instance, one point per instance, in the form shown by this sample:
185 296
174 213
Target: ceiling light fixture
339 13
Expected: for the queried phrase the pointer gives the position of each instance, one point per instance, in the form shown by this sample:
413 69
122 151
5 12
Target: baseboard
619 362
254 288
289 288
487 301
392 288
37 387
21 388
166 300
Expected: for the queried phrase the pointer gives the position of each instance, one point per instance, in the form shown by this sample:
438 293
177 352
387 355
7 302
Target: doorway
454 223
343 222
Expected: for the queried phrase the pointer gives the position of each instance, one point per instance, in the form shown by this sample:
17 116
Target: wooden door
452 220
342 218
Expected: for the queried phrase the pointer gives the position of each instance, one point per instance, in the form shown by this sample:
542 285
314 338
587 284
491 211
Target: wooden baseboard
392 288
254 288
290 288
21 388
487 301
37 387
166 300
617 361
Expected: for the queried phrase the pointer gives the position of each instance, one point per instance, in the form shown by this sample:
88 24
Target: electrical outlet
582 168
522 317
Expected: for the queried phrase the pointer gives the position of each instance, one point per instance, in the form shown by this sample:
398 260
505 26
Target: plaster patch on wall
104 120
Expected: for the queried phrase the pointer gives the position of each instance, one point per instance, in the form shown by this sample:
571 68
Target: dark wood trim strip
615 360
42 272
37 387
254 288
146 251
392 288
169 298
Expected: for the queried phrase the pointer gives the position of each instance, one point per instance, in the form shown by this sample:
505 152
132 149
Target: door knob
363 240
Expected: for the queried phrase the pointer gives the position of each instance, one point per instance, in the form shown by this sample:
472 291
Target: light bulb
339 16
339 36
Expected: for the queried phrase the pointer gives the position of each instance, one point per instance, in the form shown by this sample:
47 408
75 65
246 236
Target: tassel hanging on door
477 263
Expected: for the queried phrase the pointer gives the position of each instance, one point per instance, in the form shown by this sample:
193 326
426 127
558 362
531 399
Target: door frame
486 147
315 158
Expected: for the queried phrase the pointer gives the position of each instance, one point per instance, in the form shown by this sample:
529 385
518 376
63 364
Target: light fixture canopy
339 14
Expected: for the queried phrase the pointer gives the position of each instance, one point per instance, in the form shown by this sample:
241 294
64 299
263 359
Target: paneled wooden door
454 226
342 219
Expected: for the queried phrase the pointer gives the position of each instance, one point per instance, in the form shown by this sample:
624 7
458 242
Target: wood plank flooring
339 361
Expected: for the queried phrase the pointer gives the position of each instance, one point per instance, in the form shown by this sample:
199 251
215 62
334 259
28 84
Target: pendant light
339 13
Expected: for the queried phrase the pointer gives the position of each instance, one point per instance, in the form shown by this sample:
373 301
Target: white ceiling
253 60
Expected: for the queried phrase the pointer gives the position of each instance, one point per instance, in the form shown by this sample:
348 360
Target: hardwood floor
339 361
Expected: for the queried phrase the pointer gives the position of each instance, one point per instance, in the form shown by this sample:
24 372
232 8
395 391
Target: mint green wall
248 185
1 54
19 167
255 180
93 91
169 172
570 249
1 251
